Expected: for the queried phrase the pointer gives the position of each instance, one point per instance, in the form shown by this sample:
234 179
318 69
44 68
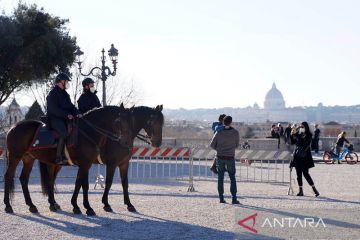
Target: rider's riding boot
213 168
60 156
315 191
301 193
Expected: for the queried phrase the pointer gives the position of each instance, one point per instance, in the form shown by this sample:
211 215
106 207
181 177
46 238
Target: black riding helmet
62 76
87 81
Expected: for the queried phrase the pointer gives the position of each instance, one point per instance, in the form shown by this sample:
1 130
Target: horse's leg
125 184
110 170
85 187
78 183
9 182
51 188
57 169
24 180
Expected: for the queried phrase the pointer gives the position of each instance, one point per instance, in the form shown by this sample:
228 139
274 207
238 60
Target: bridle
149 126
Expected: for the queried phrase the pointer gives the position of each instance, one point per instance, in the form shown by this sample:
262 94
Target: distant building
274 111
13 115
274 99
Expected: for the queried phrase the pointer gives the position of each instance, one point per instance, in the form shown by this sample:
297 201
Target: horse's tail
45 178
48 175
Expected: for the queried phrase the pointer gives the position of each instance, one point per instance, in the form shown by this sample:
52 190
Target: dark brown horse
152 121
95 128
113 154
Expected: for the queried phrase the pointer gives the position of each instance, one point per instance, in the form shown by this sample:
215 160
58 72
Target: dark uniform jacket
59 106
88 101
303 142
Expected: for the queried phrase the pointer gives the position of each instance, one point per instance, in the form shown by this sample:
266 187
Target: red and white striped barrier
160 152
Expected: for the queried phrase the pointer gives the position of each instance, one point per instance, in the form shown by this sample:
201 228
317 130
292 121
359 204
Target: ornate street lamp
105 71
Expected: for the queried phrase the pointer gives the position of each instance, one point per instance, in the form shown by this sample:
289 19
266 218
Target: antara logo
253 218
288 222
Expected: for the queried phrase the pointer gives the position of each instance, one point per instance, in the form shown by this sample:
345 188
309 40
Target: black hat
87 81
62 76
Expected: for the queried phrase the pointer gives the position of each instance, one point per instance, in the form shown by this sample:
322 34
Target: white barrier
194 164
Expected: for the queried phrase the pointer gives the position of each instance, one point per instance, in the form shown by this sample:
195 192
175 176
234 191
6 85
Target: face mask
67 85
302 130
92 89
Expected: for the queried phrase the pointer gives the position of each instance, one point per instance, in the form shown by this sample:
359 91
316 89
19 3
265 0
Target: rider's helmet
62 76
87 81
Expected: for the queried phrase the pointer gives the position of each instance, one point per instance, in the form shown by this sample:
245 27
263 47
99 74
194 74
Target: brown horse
152 121
114 154
95 128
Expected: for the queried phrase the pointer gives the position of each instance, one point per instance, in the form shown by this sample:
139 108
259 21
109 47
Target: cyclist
340 143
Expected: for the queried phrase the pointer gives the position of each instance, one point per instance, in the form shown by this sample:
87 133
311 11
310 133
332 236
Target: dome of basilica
274 99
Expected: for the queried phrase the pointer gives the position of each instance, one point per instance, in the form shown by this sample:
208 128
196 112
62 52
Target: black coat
302 142
88 101
59 105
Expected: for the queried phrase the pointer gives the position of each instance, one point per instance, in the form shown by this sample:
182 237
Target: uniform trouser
60 127
303 171
230 166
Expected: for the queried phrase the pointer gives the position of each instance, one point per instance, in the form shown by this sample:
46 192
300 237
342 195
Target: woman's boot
301 193
315 191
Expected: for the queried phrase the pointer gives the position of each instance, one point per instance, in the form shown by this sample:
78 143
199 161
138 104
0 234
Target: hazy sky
203 53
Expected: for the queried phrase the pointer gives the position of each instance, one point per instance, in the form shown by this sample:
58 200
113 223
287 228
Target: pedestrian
88 99
59 110
315 141
302 159
224 143
216 127
340 143
287 133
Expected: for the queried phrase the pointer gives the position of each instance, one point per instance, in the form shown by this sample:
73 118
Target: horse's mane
144 110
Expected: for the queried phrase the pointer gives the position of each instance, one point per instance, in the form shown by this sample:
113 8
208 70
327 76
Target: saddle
46 137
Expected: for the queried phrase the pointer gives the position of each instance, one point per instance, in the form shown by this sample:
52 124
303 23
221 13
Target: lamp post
105 71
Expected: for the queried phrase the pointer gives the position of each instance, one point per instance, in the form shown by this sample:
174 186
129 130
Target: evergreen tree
35 112
33 45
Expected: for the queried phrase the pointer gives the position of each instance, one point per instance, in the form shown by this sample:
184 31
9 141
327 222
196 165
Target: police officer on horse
88 99
59 110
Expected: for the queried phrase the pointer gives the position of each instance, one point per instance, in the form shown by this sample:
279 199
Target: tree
35 112
249 133
33 45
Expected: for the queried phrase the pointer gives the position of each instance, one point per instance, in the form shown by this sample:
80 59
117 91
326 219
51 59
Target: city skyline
208 54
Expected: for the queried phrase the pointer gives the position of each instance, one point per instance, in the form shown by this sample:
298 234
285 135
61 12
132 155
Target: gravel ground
167 211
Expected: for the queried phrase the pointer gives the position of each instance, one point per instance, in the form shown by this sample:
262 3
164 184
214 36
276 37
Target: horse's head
154 124
122 125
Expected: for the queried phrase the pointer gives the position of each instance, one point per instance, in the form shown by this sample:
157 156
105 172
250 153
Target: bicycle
346 154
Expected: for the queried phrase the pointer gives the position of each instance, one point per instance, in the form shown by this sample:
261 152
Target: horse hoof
77 211
9 210
90 212
108 208
131 209
57 206
33 209
53 208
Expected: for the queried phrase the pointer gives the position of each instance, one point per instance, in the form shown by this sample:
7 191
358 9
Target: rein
143 138
102 131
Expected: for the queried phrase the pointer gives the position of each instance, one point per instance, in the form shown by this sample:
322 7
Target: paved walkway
167 211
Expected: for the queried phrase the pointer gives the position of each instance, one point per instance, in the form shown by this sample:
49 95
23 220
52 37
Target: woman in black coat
303 160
